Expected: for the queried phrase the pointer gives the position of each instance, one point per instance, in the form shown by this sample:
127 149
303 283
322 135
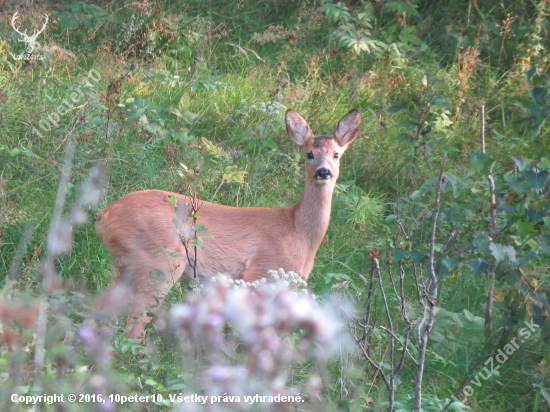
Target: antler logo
30 41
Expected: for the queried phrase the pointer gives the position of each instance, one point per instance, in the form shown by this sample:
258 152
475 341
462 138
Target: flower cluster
250 334
271 108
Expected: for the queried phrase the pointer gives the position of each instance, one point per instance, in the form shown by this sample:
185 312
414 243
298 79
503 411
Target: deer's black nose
323 174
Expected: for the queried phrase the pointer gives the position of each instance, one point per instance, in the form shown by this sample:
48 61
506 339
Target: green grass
224 88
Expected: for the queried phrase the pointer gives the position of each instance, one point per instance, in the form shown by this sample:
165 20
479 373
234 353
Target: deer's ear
297 128
348 128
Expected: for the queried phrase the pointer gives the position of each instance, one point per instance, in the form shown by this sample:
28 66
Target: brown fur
140 231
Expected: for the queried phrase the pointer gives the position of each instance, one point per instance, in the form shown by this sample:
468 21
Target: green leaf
189 117
136 349
539 124
437 336
469 315
270 143
417 256
407 37
232 175
199 228
501 251
514 182
456 183
450 149
539 94
503 206
214 150
479 163
536 179
405 138
401 7
173 255
441 101
477 160
397 108
521 162
534 216
174 111
336 12
478 266
153 128
524 228
426 187
157 275
538 111
181 137
444 266
399 255
544 163
453 215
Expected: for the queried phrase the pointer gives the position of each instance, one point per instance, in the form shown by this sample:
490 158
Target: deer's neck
312 213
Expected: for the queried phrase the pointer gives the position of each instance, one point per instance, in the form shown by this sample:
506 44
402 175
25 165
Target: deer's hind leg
141 286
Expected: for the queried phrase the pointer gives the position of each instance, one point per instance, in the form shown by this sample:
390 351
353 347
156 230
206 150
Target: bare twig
391 381
403 344
431 298
405 317
368 308
192 209
494 233
66 137
451 238
421 292
363 348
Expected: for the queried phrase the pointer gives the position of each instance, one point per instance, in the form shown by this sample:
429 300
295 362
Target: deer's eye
310 155
336 155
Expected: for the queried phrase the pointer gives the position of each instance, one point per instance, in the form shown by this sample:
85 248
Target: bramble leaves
501 251
399 255
535 178
401 8
478 266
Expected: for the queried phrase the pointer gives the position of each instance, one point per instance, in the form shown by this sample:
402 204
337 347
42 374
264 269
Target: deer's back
240 242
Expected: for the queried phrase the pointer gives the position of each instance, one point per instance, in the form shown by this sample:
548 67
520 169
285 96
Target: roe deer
245 242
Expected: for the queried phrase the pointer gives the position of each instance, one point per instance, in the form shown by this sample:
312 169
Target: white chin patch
323 181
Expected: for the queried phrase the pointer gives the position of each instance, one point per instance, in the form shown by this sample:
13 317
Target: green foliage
165 124
357 208
198 88
432 403
354 30
538 110
400 7
74 14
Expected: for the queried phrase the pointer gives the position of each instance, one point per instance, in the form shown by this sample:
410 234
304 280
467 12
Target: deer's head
323 152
